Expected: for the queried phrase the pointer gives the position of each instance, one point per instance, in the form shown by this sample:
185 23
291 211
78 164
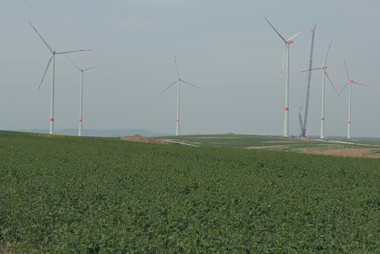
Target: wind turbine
349 84
324 75
287 43
179 80
81 93
52 59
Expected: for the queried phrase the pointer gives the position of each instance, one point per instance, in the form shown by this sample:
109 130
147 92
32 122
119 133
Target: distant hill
101 133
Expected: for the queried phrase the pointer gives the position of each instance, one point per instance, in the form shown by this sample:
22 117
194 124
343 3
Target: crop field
63 194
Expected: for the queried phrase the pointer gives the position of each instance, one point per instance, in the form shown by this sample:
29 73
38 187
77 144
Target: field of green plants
64 194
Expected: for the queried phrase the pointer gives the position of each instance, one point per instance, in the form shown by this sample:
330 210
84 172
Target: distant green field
64 194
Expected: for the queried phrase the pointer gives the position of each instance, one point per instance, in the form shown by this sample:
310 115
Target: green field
63 194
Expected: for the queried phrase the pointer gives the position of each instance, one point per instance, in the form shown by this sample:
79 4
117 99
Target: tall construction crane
304 122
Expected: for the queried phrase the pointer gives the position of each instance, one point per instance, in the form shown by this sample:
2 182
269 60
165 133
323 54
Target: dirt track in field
346 152
333 150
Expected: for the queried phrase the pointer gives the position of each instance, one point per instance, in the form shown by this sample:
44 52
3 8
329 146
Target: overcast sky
224 47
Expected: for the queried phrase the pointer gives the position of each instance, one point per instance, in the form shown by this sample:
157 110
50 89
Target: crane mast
303 124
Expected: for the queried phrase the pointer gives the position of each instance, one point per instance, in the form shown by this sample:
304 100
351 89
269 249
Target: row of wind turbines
180 81
52 59
349 83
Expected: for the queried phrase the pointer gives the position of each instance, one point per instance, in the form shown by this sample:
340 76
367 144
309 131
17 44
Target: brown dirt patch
346 152
333 150
6 250
138 138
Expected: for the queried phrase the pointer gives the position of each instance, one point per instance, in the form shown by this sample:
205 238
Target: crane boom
303 126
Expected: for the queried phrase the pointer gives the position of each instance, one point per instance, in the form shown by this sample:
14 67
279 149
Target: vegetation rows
89 195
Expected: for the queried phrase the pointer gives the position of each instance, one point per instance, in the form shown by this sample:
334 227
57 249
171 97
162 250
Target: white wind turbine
324 67
349 84
52 59
287 43
179 80
81 93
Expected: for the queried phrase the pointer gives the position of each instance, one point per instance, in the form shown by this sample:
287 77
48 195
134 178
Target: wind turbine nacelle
289 42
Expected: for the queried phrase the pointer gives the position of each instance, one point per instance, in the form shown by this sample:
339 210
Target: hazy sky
224 47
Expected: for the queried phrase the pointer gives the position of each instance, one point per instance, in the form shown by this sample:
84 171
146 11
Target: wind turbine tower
52 59
287 44
179 81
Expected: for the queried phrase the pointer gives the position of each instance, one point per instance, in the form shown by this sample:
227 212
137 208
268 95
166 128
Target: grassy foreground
90 195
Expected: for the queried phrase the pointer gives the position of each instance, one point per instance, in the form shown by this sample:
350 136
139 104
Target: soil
334 151
346 152
138 138
6 250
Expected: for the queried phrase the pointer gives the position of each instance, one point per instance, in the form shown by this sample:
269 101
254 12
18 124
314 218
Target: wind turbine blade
345 65
72 51
39 35
314 69
354 82
189 83
169 87
344 88
47 67
328 50
294 36
276 30
73 63
176 66
93 67
328 77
